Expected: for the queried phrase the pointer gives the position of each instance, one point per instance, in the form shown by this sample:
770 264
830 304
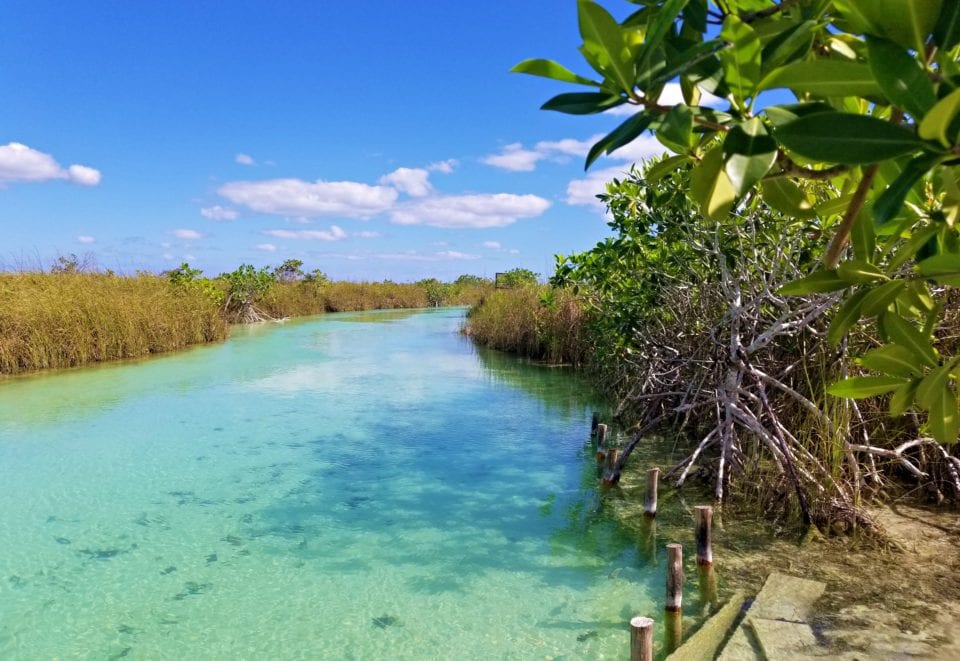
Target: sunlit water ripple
350 487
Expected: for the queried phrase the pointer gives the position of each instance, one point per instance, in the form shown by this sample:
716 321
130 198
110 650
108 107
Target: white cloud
244 159
514 158
83 175
492 245
166 244
415 182
414 256
514 251
473 211
445 167
333 234
295 197
454 254
189 235
367 234
267 247
670 96
85 238
567 146
583 192
217 212
642 148
20 163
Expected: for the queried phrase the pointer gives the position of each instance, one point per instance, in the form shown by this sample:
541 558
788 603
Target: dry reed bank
65 319
534 321
69 319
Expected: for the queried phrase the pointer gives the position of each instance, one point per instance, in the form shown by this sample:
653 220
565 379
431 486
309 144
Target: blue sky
370 139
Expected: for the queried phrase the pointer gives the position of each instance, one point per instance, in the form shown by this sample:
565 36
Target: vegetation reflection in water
358 490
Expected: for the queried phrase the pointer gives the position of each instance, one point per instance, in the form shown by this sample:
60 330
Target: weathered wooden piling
650 498
594 423
674 577
641 639
672 630
610 467
703 515
601 442
707 588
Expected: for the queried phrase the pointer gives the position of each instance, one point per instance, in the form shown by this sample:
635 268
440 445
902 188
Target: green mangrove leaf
550 69
863 237
846 318
658 171
943 420
860 272
902 79
788 44
818 282
787 198
903 398
825 79
676 130
750 152
909 250
861 387
602 37
741 62
710 187
933 384
943 268
890 202
583 103
784 114
840 137
946 33
936 124
834 206
893 360
902 332
620 136
659 28
880 298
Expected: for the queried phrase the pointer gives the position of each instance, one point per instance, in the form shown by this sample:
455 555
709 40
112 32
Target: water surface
350 486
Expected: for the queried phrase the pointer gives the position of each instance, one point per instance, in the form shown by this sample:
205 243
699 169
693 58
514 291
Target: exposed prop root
736 383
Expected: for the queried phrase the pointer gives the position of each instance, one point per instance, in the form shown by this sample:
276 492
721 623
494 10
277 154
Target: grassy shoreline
58 320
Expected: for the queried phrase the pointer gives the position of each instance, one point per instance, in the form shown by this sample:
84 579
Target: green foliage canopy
876 120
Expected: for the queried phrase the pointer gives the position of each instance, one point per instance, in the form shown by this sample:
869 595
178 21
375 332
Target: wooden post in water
650 499
672 630
707 584
594 423
601 442
641 639
610 467
703 515
674 577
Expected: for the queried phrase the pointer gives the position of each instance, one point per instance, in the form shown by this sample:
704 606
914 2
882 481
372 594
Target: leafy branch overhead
868 146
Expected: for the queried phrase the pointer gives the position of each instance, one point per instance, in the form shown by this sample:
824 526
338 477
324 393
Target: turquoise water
348 487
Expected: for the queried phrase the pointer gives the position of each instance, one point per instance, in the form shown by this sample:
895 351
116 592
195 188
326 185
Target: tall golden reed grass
533 321
68 319
51 320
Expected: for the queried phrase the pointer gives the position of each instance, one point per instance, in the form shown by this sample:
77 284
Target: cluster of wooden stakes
641 627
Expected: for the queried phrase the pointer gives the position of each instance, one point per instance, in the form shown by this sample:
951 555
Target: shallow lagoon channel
362 486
